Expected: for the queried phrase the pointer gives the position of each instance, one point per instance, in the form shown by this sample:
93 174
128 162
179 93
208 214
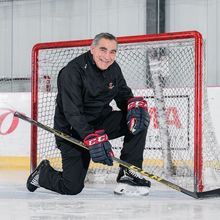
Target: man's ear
92 49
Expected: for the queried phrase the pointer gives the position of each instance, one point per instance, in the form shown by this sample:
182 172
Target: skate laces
35 180
133 174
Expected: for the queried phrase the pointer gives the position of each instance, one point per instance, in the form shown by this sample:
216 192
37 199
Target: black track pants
76 160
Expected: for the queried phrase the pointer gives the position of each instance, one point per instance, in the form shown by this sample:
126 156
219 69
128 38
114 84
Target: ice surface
98 202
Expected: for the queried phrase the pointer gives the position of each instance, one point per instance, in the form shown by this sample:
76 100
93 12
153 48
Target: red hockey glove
99 147
138 117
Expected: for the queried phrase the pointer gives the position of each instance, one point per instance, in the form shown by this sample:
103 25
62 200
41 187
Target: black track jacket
84 94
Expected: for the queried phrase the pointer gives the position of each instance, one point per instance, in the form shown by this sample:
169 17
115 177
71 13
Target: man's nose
107 55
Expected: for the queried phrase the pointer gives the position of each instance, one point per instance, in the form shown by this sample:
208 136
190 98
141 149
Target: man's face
104 53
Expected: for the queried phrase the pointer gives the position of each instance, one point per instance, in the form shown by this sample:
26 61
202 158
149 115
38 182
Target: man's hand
138 117
99 147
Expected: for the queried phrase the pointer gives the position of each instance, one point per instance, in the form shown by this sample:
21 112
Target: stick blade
209 194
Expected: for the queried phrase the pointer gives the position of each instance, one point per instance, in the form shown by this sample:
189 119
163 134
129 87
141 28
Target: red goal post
179 86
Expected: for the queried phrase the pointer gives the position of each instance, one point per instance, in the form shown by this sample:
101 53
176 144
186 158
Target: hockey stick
197 195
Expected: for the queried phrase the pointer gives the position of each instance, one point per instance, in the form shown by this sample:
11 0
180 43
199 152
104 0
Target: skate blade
127 190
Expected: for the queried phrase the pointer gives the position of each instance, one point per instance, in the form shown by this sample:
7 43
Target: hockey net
169 71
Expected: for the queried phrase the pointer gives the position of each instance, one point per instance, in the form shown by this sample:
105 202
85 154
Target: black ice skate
33 180
128 183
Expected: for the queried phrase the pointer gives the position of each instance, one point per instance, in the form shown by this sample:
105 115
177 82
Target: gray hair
107 36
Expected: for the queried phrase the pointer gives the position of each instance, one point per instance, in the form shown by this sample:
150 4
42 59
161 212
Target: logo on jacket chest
111 85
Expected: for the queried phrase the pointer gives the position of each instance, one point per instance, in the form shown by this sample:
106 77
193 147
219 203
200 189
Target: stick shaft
119 161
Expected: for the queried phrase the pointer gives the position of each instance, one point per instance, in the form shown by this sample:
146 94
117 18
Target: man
86 86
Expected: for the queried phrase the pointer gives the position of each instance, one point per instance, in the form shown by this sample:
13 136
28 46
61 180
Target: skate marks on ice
99 202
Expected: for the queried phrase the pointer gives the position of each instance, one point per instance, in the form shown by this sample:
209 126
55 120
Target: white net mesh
169 88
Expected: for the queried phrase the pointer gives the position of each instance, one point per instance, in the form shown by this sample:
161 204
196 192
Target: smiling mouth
103 61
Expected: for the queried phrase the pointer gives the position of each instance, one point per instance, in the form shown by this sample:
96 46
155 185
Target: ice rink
98 202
